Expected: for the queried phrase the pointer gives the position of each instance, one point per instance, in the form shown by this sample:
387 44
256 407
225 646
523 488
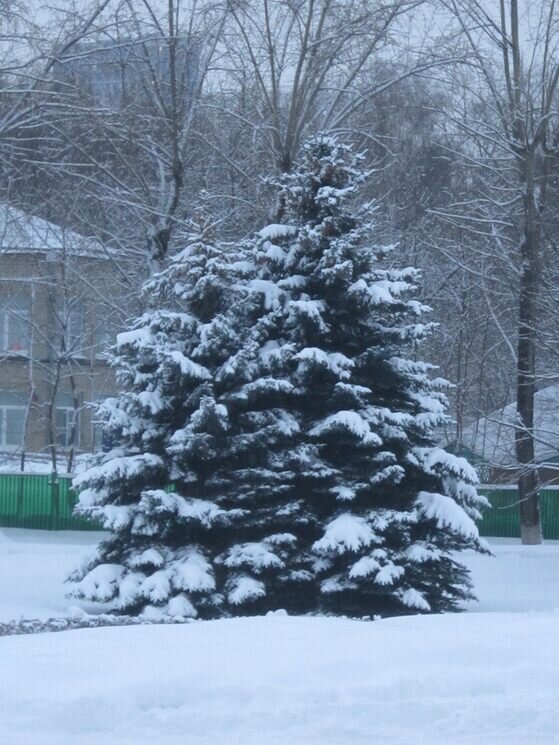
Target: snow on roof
20 231
492 437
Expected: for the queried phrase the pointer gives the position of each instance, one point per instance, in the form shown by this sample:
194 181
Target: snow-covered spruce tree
275 443
354 510
157 557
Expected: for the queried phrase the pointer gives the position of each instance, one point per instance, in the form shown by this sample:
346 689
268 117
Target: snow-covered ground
518 578
34 563
33 566
488 677
10 463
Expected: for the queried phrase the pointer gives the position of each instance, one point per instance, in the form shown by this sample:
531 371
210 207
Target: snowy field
489 677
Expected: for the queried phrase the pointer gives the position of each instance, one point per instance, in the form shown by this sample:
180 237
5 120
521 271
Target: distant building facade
489 442
57 297
116 72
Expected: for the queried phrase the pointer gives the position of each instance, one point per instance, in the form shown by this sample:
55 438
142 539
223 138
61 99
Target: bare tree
509 120
29 51
309 63
124 128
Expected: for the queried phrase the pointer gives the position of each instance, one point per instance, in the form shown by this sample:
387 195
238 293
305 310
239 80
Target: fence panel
34 501
549 505
503 520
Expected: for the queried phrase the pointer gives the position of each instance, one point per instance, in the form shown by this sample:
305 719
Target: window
66 414
69 323
14 325
65 417
12 420
73 331
101 440
103 337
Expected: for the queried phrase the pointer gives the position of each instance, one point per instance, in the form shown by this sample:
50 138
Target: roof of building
492 437
20 231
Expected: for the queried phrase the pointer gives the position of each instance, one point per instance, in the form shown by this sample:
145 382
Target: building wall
117 72
68 310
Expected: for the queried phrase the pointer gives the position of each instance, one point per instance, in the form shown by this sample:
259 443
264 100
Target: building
58 308
490 441
116 72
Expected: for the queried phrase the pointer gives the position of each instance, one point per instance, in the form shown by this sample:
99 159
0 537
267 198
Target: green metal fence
36 501
502 519
39 501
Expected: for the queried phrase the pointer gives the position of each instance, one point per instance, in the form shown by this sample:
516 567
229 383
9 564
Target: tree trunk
528 482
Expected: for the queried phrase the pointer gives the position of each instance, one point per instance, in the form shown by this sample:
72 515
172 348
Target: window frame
4 408
10 317
71 341
70 414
